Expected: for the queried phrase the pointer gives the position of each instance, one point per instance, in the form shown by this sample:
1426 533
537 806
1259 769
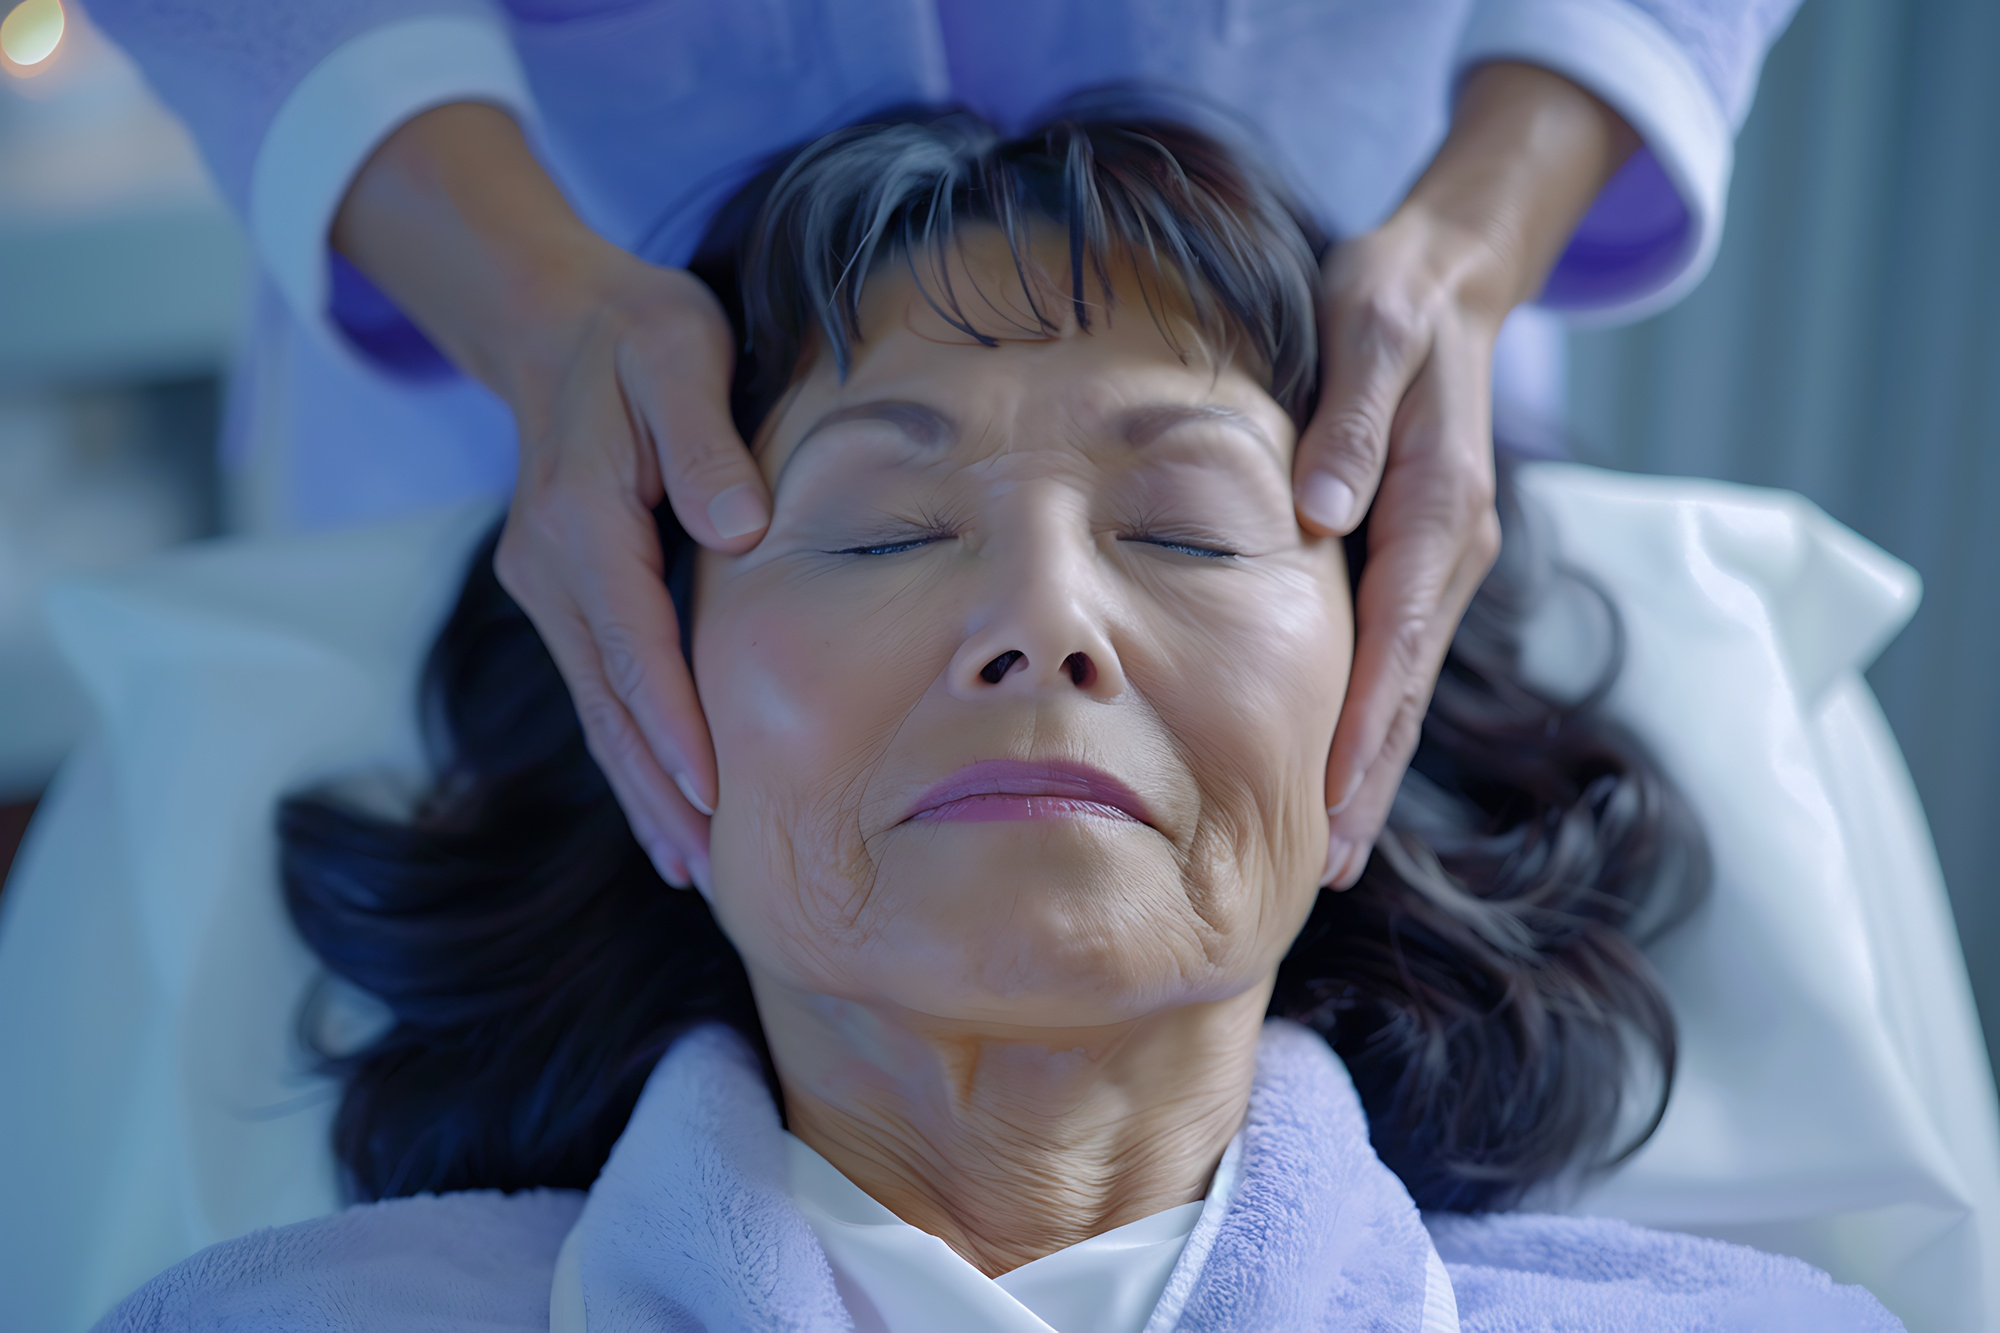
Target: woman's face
1022 706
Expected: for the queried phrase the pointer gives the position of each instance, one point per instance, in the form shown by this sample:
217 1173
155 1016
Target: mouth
1004 789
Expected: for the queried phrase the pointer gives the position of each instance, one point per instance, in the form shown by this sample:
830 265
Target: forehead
1133 369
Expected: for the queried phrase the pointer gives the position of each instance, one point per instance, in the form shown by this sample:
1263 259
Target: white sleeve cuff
341 111
1625 57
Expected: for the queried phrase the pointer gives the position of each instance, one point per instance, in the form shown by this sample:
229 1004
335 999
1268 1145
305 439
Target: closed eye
890 548
1185 548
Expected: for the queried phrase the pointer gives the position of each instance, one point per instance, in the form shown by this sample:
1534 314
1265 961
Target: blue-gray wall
1847 345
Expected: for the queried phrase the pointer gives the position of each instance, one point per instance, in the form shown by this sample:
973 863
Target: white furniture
118 265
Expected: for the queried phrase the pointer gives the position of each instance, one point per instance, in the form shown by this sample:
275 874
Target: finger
637 635
590 551
1351 834
611 570
677 382
1413 593
587 571
1372 347
673 834
1432 539
1388 718
1400 650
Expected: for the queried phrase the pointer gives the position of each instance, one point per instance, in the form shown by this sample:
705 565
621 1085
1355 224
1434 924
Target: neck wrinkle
1009 1146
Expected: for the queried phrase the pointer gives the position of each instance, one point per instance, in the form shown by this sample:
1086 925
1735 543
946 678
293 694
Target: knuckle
703 464
1409 650
608 733
1483 538
540 519
703 459
625 669
1478 491
540 454
1387 324
535 530
1354 432
1405 729
683 308
1457 504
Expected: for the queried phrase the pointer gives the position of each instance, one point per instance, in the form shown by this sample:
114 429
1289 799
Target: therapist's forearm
454 219
1527 153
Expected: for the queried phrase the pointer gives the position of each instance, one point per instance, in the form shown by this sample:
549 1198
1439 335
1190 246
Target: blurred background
1847 346
122 280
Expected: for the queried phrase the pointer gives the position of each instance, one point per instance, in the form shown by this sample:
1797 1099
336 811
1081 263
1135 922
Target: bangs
1211 237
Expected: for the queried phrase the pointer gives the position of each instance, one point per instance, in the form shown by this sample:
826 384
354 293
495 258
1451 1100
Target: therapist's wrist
458 224
596 302
546 300
1527 153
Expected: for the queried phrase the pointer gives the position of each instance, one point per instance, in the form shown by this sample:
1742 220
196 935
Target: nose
1039 623
1082 672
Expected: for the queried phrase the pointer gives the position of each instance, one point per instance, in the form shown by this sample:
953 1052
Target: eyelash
1184 548
890 548
1164 543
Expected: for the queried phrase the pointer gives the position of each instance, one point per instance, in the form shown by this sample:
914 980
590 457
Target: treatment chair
1834 1099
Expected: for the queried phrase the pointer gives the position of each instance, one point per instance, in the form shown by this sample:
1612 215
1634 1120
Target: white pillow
158 1100
1834 1101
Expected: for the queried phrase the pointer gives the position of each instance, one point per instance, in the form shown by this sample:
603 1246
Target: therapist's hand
618 374
1404 419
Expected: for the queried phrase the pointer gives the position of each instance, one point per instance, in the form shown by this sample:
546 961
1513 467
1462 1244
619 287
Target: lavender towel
690 1227
478 1262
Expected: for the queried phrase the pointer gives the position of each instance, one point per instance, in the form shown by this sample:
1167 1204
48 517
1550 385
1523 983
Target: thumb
677 381
1370 354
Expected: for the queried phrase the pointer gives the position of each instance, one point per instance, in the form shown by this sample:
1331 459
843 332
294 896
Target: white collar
895 1278
694 1214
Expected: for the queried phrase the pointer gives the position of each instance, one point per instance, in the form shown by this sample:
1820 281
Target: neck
1011 1143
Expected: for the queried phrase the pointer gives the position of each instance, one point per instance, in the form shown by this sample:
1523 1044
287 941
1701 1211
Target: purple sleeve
225 66
1637 234
1681 73
1635 237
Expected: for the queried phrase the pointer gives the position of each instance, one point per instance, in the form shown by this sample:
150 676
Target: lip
1004 789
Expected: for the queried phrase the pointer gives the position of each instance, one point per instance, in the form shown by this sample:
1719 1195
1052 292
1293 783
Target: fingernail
1338 852
737 510
1327 501
686 784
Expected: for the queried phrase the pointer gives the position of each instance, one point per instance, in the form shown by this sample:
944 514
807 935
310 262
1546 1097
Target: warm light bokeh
31 32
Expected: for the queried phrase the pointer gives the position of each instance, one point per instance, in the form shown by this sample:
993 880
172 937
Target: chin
1047 924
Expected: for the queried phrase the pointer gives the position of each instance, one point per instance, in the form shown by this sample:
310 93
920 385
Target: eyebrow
1142 425
925 426
930 428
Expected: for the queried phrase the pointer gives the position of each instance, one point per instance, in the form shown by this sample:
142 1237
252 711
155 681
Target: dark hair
1483 982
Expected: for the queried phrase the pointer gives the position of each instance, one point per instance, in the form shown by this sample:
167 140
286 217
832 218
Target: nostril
1082 671
993 671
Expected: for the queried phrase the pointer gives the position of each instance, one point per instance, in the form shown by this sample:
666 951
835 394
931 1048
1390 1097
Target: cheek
1249 680
804 694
